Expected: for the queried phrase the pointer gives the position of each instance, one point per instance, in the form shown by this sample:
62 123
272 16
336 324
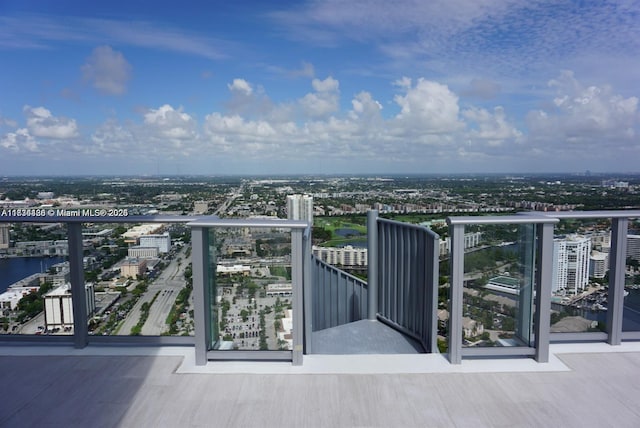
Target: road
166 286
222 209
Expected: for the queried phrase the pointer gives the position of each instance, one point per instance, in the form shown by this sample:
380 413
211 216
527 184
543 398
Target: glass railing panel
631 312
34 270
498 285
253 292
581 252
142 279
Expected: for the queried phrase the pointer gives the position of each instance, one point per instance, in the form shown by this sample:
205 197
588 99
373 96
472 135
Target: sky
319 87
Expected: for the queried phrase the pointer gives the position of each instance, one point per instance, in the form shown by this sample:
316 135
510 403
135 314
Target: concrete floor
582 386
363 337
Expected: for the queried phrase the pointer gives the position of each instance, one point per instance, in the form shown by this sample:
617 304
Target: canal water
13 269
631 314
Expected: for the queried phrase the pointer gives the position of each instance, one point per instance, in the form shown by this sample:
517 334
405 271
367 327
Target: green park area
337 231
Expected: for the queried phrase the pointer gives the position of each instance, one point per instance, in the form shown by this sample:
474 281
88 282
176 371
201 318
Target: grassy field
332 224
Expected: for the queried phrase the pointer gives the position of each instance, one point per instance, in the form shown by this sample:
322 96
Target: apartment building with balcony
571 264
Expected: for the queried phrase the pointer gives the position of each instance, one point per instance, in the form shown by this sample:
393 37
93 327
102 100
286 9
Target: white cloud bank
425 128
41 123
585 114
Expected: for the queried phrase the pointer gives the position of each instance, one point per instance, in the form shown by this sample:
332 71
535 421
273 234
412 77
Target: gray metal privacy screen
407 278
338 297
402 286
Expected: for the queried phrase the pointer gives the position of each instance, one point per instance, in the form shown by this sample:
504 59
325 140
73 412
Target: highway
166 286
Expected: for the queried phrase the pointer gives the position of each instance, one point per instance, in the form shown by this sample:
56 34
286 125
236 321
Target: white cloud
41 123
591 115
36 32
426 130
167 122
428 107
364 105
522 39
107 70
324 101
241 86
403 82
19 141
492 128
113 139
327 85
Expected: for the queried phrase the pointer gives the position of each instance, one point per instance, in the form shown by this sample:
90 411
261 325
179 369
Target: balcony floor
583 386
363 337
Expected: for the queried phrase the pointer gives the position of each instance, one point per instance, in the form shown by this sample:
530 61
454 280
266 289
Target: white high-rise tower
300 207
4 236
571 264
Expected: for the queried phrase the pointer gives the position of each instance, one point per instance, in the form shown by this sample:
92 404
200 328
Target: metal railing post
372 267
201 295
297 281
456 281
78 292
432 290
544 278
307 291
615 298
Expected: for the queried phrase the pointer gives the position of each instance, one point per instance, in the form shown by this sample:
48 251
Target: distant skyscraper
4 236
300 207
571 264
633 247
598 264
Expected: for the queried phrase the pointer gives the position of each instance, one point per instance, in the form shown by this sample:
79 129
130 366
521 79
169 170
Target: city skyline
319 87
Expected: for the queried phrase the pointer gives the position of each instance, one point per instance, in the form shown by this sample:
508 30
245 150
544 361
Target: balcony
363 336
396 310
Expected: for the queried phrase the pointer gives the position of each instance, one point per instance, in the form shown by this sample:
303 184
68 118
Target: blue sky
321 87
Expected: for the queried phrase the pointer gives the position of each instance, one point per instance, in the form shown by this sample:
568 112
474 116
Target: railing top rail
213 221
587 214
98 218
506 219
326 265
406 225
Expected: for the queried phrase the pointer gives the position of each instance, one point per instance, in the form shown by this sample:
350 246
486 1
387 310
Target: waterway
630 315
13 269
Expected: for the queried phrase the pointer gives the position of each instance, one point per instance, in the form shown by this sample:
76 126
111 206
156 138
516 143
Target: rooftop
582 385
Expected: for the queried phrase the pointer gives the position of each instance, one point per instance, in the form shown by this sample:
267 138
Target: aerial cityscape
320 213
138 277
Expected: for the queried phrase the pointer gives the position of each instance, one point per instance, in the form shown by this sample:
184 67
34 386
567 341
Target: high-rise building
570 264
300 207
633 247
4 236
598 264
161 242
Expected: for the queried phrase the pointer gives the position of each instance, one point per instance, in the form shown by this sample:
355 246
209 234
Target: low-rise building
58 306
284 289
139 252
344 256
161 242
233 270
133 267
